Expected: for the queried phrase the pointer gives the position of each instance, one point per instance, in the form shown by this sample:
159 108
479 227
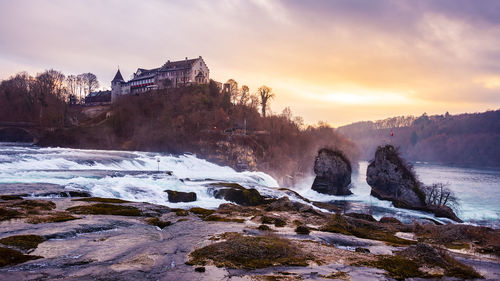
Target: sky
337 61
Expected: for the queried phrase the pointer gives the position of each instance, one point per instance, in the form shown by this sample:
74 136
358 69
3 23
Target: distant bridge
34 130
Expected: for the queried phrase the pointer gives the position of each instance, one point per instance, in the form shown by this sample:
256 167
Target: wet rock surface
333 173
156 243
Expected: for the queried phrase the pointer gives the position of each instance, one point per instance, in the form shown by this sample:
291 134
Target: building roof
168 66
181 64
118 77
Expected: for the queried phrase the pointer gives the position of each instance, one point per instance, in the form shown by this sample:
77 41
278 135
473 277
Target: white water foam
133 176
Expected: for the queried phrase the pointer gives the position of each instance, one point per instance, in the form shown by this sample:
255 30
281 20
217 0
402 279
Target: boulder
179 196
239 195
284 204
392 179
333 173
444 212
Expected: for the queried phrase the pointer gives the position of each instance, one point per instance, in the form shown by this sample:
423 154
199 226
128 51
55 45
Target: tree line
43 98
466 139
196 118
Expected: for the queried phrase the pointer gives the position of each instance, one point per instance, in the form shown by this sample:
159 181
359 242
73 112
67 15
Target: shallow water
138 176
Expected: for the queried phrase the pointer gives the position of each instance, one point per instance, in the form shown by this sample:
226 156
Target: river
143 177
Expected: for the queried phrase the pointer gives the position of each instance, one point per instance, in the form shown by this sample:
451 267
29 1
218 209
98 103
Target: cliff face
392 179
237 156
333 173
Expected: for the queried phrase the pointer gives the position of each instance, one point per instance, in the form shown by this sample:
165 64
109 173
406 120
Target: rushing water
134 176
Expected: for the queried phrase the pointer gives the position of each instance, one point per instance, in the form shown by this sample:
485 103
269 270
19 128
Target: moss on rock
7 214
23 242
105 209
10 197
158 222
11 257
201 212
304 230
30 205
52 218
340 224
222 219
251 252
410 263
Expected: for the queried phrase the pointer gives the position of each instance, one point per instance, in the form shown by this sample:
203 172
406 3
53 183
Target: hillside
466 139
199 119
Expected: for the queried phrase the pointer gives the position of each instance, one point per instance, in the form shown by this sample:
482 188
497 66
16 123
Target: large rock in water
179 196
333 173
238 194
392 179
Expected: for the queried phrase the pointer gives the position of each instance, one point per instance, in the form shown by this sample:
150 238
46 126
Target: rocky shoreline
88 238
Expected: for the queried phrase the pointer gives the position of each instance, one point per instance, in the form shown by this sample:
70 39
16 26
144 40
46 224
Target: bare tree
254 101
72 85
244 95
50 90
440 195
299 122
265 94
287 113
233 90
81 85
90 82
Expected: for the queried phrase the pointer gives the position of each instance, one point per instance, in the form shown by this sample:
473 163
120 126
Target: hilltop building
169 75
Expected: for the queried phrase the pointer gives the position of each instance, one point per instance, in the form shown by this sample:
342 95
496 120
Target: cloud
392 56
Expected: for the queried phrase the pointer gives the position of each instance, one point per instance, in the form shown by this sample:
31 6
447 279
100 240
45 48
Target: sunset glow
335 61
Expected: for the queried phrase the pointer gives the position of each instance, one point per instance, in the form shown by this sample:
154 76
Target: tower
116 86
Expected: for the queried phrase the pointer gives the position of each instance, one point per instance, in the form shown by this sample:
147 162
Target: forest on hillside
219 126
470 139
